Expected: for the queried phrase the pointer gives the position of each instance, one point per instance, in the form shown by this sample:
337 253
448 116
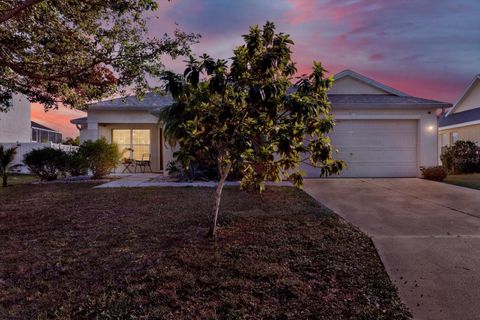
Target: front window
43 136
132 143
34 135
444 140
455 137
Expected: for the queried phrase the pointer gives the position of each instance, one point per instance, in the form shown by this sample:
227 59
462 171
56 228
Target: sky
427 48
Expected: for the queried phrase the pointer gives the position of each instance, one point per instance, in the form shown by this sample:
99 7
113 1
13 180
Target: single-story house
462 122
380 131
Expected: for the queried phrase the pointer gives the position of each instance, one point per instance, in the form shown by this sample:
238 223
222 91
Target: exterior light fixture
430 128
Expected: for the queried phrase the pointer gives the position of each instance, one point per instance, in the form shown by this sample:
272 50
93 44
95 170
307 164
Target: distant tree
242 115
72 141
6 158
72 52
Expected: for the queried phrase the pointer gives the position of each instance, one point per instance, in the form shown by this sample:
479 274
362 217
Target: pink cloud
57 119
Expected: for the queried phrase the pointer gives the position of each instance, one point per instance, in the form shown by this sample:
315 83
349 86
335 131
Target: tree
6 158
72 52
244 115
72 141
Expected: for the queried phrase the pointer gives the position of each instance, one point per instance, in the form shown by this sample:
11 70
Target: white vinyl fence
25 147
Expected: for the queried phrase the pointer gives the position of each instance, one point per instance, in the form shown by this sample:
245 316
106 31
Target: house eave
460 125
389 106
113 108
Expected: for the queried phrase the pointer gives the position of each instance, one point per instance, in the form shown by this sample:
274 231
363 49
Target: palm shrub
461 157
100 156
6 158
46 163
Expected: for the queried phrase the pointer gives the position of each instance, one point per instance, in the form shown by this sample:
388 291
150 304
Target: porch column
91 131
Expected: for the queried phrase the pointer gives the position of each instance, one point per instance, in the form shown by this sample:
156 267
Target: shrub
76 165
194 171
437 173
46 163
462 157
100 156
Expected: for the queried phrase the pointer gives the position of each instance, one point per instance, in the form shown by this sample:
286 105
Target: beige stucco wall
427 140
15 125
350 85
471 133
471 100
101 123
105 130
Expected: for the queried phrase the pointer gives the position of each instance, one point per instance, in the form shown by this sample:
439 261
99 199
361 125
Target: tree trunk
9 14
4 179
218 197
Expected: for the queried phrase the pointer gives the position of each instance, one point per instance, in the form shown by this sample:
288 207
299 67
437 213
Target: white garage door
375 148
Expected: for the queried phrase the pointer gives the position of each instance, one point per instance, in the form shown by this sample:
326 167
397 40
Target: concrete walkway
427 235
159 180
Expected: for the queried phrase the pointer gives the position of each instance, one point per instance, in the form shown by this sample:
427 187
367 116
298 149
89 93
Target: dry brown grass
72 252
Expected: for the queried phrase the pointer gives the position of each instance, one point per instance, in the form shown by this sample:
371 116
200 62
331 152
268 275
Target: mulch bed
73 252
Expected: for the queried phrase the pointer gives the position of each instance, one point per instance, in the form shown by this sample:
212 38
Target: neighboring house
380 131
17 130
462 122
43 134
15 124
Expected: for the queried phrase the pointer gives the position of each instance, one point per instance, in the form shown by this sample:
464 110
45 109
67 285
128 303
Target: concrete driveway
427 235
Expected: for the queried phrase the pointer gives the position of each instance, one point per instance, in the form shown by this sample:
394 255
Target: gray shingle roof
151 101
459 118
41 126
382 101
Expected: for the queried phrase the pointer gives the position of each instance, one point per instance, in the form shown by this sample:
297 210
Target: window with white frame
133 143
444 140
454 137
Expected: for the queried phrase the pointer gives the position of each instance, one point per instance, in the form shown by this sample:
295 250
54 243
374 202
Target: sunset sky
426 48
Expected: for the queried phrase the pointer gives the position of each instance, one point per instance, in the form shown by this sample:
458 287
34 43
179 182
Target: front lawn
465 180
17 178
69 251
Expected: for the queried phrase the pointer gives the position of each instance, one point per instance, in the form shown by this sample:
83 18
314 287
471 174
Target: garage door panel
375 148
404 140
376 125
369 156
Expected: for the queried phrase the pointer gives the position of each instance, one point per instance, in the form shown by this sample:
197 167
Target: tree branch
9 14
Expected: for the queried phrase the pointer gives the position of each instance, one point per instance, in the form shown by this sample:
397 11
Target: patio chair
127 163
144 163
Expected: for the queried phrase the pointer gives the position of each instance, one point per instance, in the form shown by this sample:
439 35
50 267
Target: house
380 131
132 124
15 125
17 130
462 122
43 134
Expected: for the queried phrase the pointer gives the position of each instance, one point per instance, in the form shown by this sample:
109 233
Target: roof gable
40 126
351 82
470 98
